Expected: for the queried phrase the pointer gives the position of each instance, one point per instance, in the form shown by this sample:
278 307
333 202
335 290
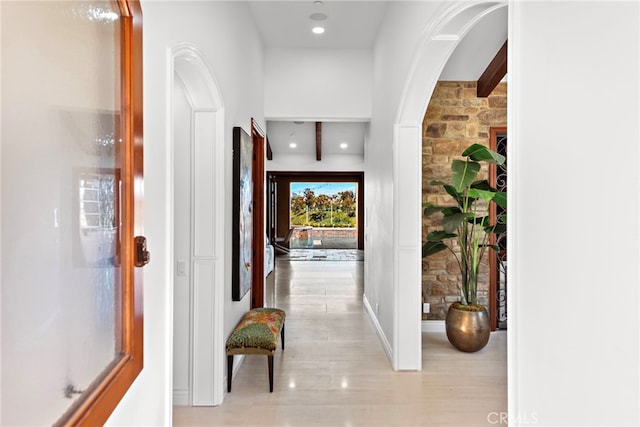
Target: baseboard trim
433 326
383 338
181 397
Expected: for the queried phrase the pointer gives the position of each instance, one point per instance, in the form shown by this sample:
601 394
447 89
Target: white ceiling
349 24
303 134
354 25
476 50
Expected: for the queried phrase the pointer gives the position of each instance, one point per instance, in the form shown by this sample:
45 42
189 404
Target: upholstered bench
256 333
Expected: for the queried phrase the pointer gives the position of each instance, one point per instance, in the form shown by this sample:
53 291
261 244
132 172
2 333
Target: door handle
142 254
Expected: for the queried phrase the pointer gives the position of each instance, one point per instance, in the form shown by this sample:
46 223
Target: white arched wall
438 42
205 268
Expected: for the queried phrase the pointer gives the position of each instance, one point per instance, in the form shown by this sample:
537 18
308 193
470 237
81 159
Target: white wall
224 34
574 211
318 83
396 46
329 163
181 242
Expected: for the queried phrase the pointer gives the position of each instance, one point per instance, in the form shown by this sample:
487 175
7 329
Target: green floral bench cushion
259 329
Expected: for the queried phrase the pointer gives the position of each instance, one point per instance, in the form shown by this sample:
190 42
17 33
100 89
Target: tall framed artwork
242 214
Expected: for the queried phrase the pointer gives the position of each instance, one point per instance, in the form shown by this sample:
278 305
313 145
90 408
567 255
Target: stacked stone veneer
455 119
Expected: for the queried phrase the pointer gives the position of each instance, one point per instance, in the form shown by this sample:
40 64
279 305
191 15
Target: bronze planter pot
468 330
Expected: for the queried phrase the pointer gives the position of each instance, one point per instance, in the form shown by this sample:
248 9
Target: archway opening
196 223
436 47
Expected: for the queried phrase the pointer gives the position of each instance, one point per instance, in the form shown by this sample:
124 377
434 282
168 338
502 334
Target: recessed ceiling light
318 16
293 145
318 30
343 145
317 3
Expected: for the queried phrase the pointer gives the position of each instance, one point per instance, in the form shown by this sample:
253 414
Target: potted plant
468 223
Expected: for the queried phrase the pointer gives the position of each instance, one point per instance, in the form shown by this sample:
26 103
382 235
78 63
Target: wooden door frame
258 174
107 391
493 263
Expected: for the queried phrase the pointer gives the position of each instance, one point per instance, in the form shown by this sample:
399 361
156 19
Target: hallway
334 372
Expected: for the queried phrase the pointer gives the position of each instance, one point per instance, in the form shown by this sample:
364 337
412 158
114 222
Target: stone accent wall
454 120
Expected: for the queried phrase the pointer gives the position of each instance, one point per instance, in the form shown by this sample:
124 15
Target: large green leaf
483 221
487 196
480 153
497 229
449 189
464 173
431 248
500 199
451 210
452 192
482 185
451 222
430 209
438 236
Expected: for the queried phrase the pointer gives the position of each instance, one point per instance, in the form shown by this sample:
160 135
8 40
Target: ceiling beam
318 141
495 72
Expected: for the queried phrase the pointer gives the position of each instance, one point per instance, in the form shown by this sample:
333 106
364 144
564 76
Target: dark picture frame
242 244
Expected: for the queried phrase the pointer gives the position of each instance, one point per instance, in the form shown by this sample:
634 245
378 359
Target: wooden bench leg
270 363
282 336
229 372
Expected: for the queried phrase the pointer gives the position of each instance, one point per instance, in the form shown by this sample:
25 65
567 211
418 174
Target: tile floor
334 372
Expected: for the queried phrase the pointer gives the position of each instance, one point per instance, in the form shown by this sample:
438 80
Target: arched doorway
438 42
196 224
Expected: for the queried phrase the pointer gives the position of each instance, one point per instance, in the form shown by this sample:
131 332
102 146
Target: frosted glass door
61 197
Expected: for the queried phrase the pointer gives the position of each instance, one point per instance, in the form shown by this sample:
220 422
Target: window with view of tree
324 205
